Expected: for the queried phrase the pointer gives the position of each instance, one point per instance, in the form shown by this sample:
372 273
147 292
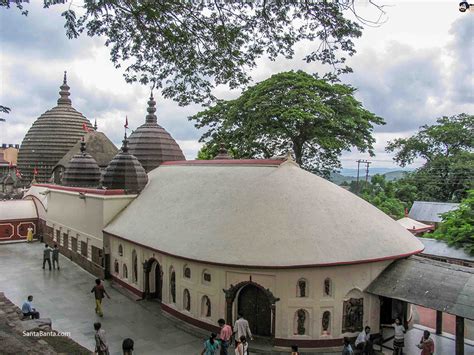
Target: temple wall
347 281
75 222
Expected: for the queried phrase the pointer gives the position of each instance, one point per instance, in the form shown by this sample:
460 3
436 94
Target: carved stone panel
353 315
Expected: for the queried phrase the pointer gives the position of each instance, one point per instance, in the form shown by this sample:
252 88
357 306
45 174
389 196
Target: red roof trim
226 162
400 256
83 190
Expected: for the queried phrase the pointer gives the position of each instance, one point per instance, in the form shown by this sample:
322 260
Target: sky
417 66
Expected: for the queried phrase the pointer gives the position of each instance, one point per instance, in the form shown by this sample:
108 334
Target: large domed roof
50 137
82 170
125 172
152 144
278 215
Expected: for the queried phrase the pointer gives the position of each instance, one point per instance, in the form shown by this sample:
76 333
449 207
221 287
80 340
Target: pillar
439 322
273 308
229 310
405 314
459 335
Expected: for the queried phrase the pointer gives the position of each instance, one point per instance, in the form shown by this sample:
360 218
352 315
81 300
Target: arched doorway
254 305
155 279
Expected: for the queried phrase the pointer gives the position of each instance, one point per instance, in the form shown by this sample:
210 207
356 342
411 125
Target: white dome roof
256 213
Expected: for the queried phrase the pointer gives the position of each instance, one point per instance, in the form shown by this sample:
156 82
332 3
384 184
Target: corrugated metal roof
444 287
442 249
426 211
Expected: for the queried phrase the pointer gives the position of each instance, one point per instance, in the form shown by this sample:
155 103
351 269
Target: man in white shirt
364 343
242 328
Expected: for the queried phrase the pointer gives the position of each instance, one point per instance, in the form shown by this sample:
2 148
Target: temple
302 259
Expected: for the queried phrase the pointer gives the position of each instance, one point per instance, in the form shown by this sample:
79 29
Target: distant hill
395 175
338 178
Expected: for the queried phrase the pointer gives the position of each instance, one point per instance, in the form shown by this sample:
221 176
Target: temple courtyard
64 297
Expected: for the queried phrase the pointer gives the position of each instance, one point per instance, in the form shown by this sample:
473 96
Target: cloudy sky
412 69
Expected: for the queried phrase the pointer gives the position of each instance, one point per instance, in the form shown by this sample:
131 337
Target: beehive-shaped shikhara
151 143
50 137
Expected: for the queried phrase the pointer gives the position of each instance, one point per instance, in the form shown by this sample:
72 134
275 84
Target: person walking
242 328
211 345
347 349
426 344
28 310
127 346
101 347
294 350
47 256
55 256
242 346
224 336
99 292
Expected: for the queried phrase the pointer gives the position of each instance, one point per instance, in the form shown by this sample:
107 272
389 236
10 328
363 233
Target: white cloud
412 69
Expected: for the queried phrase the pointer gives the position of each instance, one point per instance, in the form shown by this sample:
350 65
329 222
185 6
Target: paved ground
64 296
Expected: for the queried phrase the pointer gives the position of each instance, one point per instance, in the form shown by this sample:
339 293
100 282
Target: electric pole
367 163
367 172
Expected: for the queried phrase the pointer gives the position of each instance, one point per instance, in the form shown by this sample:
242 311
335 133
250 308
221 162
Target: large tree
448 150
291 111
457 227
186 48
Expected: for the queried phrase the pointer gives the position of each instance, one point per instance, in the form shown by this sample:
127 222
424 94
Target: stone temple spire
125 144
64 93
151 117
223 154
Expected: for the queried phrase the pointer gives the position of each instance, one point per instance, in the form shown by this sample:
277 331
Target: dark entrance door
386 310
254 305
156 273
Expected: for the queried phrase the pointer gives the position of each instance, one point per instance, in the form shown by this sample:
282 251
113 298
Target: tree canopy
392 197
291 111
186 48
448 137
457 226
448 148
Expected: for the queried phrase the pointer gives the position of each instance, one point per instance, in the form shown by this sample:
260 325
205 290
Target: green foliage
210 151
449 137
187 48
448 149
457 227
383 195
292 111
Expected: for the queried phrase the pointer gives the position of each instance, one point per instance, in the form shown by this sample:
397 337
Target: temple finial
95 124
151 117
289 160
64 92
125 143
223 154
83 146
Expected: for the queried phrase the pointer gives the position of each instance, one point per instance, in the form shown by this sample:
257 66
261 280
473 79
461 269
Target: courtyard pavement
64 296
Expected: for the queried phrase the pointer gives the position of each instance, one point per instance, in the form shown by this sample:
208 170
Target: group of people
47 252
365 345
222 343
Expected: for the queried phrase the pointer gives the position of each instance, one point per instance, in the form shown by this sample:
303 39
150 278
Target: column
229 310
439 322
459 335
273 307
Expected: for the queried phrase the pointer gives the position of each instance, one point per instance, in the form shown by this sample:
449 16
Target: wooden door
254 305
